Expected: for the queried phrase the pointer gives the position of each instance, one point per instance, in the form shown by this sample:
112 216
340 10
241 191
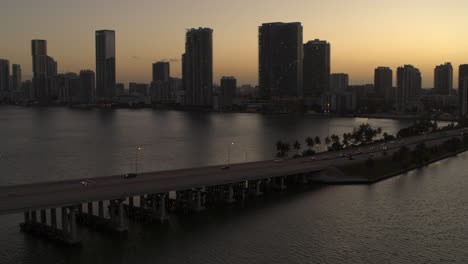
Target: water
419 217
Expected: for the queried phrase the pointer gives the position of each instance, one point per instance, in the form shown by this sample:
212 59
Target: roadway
20 198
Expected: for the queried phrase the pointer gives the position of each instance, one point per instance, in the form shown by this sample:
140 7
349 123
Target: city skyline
358 47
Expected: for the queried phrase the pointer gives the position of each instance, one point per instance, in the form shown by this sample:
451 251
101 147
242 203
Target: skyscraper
105 65
161 71
16 77
51 66
338 82
383 80
463 90
443 78
197 66
227 92
4 77
280 59
316 68
87 86
39 60
408 87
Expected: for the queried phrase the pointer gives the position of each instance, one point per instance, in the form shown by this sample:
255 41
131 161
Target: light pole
136 160
229 153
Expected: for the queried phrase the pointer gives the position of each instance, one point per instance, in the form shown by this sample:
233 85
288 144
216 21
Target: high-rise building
16 77
105 66
408 87
443 79
338 82
161 71
227 92
87 86
197 73
463 90
4 78
383 81
316 68
280 60
39 61
51 66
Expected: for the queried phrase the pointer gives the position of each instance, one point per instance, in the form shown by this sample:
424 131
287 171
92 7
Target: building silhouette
51 66
87 86
463 90
338 82
443 79
161 71
39 62
316 68
197 73
227 92
280 60
16 77
105 66
383 81
4 76
408 87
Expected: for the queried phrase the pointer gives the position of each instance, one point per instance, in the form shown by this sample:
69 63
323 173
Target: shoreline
346 180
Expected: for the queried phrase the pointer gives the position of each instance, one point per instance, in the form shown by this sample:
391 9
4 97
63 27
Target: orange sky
364 34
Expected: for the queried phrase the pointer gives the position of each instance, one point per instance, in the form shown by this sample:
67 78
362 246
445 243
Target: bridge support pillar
43 217
230 194
90 208
27 217
33 217
101 209
131 201
64 220
72 216
53 217
197 203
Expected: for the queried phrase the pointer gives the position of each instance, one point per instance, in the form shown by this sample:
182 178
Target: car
130 175
225 168
86 183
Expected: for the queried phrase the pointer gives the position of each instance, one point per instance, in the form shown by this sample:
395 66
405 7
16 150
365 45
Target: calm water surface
420 217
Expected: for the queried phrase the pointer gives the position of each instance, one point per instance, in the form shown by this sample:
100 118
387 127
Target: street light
229 152
136 159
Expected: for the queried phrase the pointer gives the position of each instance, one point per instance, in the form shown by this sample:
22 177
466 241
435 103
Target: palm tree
327 141
310 142
317 140
297 147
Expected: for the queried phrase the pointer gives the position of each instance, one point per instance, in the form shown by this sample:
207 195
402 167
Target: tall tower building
383 80
16 77
316 68
339 82
198 67
463 90
227 91
280 60
87 86
443 78
39 61
161 71
51 67
4 77
105 66
408 87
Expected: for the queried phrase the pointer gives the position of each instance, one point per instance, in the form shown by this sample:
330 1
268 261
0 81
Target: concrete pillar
27 217
162 208
130 201
53 217
118 215
257 188
64 220
281 183
80 208
101 209
142 201
112 210
43 217
33 217
230 194
72 215
90 208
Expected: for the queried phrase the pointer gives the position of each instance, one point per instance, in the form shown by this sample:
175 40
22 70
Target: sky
363 34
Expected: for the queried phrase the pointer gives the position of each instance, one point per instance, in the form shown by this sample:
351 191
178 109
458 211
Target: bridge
53 209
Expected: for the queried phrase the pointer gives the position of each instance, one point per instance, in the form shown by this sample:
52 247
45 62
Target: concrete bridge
53 209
